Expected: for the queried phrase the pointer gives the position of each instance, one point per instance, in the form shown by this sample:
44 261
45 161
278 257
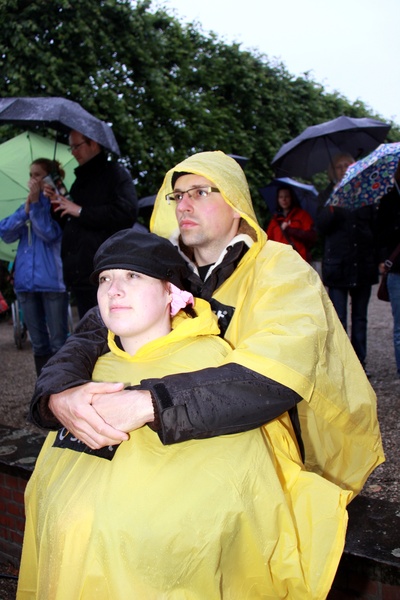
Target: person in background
336 170
388 226
96 520
291 224
349 262
38 277
103 201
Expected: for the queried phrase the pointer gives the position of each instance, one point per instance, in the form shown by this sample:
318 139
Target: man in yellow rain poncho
290 357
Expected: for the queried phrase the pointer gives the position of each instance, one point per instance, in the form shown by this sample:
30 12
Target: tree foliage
168 89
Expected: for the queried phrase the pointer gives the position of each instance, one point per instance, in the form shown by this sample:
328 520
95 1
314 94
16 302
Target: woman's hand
34 191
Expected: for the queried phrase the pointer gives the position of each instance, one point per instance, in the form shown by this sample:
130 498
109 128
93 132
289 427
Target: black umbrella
312 151
59 113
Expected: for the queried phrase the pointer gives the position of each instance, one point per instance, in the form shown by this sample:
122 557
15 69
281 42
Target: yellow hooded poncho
285 327
204 519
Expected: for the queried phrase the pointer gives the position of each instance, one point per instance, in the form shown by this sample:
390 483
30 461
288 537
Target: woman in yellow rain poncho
203 519
290 525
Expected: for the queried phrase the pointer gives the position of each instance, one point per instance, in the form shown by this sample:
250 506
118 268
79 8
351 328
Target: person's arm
10 227
202 404
215 401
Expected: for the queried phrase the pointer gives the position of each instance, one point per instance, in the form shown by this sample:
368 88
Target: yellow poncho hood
286 328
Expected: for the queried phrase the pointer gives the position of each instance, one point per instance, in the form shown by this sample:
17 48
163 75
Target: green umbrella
16 155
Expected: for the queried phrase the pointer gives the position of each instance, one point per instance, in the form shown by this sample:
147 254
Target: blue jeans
46 316
393 283
359 296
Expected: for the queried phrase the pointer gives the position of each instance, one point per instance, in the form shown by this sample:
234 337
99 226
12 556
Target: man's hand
66 207
73 408
125 410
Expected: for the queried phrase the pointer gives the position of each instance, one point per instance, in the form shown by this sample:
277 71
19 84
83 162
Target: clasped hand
102 414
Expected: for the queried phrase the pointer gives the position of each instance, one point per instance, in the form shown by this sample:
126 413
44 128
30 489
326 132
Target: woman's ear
168 289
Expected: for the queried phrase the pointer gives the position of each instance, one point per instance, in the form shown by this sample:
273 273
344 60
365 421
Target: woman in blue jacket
38 279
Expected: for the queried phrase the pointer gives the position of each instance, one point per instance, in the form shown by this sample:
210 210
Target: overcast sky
348 46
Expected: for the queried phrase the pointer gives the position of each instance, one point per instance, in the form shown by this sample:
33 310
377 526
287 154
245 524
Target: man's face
206 225
83 150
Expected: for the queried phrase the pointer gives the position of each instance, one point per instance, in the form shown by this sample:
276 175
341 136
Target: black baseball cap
146 253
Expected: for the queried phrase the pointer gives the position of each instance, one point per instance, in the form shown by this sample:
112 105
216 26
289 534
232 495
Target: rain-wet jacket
287 345
285 327
234 517
38 266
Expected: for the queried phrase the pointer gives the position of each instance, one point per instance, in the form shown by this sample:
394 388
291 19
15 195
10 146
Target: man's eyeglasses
76 146
196 193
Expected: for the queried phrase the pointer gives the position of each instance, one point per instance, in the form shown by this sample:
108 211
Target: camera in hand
56 182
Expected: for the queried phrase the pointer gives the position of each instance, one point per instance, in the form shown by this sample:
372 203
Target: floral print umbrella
368 179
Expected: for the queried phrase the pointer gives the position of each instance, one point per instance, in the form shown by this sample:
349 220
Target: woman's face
341 168
284 199
134 306
37 172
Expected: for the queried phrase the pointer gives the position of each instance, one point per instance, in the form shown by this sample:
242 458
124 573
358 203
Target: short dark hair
176 175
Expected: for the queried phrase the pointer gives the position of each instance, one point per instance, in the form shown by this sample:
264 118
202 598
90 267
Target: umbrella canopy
367 180
147 201
16 155
306 194
312 151
59 113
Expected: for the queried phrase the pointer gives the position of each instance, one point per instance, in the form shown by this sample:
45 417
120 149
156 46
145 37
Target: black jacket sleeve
71 366
216 401
201 404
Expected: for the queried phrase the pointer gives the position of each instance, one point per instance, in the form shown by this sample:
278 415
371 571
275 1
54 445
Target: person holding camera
38 277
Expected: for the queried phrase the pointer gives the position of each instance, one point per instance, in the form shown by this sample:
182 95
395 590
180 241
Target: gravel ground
18 379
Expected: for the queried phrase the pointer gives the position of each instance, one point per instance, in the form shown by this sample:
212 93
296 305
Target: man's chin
189 237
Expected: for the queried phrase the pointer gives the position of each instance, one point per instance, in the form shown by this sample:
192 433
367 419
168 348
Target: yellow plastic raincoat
232 517
285 327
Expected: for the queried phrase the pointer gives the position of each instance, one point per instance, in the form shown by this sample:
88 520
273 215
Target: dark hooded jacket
350 247
106 193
